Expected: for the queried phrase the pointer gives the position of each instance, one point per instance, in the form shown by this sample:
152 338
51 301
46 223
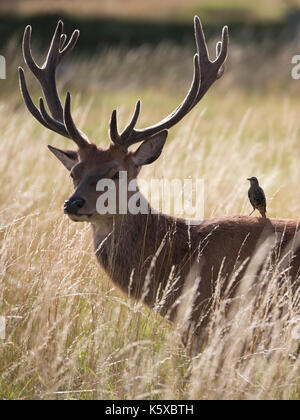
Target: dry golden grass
70 333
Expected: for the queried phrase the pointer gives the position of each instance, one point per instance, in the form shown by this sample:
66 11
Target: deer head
89 163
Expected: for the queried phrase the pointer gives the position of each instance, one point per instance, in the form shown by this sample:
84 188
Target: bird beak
248 179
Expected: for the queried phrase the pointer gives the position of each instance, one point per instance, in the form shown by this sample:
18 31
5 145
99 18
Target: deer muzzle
72 206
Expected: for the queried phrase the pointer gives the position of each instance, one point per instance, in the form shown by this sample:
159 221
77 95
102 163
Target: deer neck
137 253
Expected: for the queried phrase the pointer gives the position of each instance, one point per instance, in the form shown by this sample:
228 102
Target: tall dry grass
70 333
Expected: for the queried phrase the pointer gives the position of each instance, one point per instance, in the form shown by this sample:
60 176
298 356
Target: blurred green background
136 22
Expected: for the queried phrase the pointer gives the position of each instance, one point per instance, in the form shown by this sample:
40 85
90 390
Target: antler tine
46 76
123 139
218 52
41 115
27 99
63 39
29 60
201 42
210 70
53 124
128 130
46 73
224 45
73 131
223 50
70 45
206 72
113 128
53 53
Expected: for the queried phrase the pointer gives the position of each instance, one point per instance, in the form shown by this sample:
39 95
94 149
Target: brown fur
151 257
221 244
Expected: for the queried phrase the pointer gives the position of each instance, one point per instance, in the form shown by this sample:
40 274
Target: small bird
257 196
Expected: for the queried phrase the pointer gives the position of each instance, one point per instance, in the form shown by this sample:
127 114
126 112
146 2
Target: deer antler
60 120
206 72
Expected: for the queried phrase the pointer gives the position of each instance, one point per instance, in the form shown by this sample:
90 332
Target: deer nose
73 205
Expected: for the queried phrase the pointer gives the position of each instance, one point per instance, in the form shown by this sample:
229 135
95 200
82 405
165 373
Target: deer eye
73 178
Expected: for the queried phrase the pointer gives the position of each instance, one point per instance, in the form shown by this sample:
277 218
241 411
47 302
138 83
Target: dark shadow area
99 32
229 14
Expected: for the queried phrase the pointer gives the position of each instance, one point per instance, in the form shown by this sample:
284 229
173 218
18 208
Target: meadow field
70 334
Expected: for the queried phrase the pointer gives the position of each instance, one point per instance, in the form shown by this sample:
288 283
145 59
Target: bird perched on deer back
257 196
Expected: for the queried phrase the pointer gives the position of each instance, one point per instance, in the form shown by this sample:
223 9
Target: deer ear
150 149
67 157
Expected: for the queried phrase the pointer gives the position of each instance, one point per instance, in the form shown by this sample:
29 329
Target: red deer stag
149 256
